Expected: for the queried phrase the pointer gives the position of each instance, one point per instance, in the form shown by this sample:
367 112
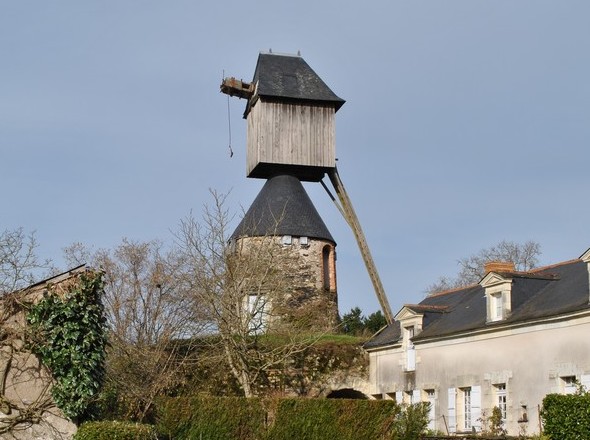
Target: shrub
566 417
411 421
115 431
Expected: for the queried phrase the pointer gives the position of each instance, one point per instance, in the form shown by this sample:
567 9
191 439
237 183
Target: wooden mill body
291 138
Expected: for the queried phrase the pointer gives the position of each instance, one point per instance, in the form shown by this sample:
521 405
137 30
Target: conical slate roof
282 207
290 77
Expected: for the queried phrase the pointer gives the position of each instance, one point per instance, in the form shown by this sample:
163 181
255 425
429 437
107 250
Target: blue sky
466 123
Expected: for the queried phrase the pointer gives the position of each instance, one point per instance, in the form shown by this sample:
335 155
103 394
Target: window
568 384
466 408
257 317
327 275
287 240
496 306
500 392
303 241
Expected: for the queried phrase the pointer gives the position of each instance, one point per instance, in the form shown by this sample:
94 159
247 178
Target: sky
466 123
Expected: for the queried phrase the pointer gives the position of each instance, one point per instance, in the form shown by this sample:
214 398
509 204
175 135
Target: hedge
566 416
211 418
115 431
342 419
219 418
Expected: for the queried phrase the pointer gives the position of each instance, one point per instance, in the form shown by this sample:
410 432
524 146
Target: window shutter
411 358
416 396
432 411
452 411
399 397
585 381
476 407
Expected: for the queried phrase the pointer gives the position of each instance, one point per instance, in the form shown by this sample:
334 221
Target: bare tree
149 312
241 286
523 255
19 263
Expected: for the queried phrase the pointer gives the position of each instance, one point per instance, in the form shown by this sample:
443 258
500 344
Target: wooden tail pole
352 220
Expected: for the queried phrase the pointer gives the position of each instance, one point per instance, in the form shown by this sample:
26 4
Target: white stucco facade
465 374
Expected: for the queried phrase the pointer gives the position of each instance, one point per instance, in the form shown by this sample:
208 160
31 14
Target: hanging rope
231 152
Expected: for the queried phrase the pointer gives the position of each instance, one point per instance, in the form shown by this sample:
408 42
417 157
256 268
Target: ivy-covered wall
68 333
51 355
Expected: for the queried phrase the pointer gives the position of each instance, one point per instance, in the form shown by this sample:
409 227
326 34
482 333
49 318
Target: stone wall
306 274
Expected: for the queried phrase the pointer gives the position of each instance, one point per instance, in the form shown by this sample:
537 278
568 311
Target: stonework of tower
283 216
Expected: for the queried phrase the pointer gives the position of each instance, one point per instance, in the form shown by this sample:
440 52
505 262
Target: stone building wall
306 272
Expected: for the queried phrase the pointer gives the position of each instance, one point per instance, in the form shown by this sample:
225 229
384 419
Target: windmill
290 114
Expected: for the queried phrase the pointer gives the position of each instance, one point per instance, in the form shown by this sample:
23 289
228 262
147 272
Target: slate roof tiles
546 292
282 207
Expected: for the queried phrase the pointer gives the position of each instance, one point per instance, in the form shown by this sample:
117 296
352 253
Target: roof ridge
282 54
453 290
426 306
551 266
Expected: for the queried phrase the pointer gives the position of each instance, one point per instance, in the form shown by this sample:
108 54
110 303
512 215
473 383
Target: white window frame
303 241
501 398
467 409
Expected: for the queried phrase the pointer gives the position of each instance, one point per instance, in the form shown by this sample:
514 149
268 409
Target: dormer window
498 304
498 292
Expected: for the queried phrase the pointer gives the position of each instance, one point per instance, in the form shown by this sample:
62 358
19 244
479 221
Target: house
507 341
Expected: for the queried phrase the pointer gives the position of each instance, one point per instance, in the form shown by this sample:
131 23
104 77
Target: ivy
68 332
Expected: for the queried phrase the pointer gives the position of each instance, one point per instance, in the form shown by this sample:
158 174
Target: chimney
499 266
